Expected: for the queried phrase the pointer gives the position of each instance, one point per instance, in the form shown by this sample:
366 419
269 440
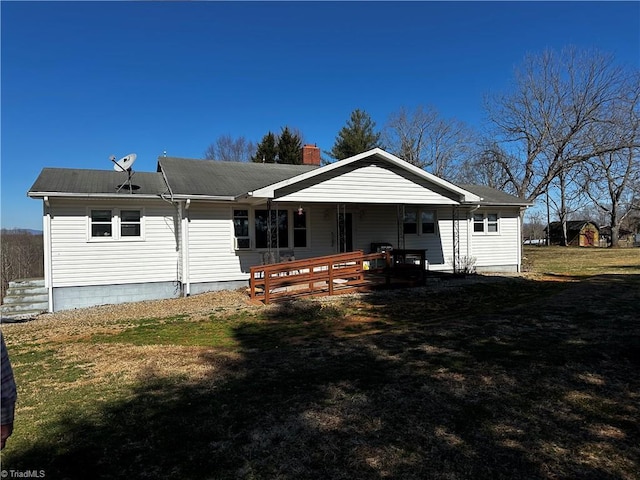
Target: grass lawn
529 377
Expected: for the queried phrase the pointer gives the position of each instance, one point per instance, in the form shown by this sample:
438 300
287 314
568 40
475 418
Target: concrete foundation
68 298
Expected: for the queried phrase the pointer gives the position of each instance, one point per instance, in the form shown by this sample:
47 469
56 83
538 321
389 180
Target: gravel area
114 317
110 318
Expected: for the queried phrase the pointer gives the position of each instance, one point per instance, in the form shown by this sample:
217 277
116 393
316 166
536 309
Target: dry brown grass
490 377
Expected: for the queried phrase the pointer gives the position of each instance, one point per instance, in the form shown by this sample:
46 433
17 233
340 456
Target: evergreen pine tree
289 147
356 136
267 151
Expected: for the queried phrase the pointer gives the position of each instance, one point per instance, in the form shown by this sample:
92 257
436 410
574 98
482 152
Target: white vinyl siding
370 184
212 254
212 257
76 261
497 248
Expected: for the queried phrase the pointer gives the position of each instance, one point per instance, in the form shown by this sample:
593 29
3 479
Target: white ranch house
196 225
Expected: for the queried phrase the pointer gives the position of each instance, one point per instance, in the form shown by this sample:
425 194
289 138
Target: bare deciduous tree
558 115
610 179
425 139
229 149
488 167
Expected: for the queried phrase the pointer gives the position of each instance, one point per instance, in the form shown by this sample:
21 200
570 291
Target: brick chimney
310 155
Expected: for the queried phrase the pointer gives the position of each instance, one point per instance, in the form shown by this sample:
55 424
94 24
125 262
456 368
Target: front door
345 232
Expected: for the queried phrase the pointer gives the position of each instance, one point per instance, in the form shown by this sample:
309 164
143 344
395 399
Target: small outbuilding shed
580 233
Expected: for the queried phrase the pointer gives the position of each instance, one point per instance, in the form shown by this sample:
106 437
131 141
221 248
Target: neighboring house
195 225
580 233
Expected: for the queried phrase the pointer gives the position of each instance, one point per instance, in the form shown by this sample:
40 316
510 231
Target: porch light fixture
300 210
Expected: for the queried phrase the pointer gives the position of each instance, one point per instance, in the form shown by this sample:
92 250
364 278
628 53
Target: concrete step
19 317
25 307
22 299
27 282
27 289
26 298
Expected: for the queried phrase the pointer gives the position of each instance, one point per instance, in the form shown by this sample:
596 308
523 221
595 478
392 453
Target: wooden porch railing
328 275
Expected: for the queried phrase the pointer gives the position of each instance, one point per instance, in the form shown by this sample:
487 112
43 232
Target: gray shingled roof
491 196
207 177
198 177
82 181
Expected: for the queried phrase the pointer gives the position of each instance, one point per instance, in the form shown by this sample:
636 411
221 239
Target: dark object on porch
378 247
409 264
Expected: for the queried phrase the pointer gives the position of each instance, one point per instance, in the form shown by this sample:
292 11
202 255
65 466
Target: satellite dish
124 164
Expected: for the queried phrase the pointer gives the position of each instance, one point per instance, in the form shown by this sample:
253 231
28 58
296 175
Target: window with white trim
101 223
241 229
487 223
130 223
271 228
418 221
478 223
115 224
492 223
281 228
300 228
410 221
428 221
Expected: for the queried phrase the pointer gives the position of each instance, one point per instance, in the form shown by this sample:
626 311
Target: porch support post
455 221
399 226
269 255
46 235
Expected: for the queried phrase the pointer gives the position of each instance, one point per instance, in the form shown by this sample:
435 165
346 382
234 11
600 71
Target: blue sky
85 80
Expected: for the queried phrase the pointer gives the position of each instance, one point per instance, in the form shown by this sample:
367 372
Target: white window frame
412 208
236 243
419 211
116 225
91 223
294 214
492 222
291 212
486 223
122 223
435 221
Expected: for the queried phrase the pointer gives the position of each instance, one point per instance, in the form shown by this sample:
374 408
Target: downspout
182 275
186 277
519 259
46 227
470 230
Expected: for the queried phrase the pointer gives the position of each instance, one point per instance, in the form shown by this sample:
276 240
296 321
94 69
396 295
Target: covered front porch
285 231
370 201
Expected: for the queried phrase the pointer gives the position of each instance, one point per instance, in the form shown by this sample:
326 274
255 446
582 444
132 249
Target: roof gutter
214 198
499 204
47 195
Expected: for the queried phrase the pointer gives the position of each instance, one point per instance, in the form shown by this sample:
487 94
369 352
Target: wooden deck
335 274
